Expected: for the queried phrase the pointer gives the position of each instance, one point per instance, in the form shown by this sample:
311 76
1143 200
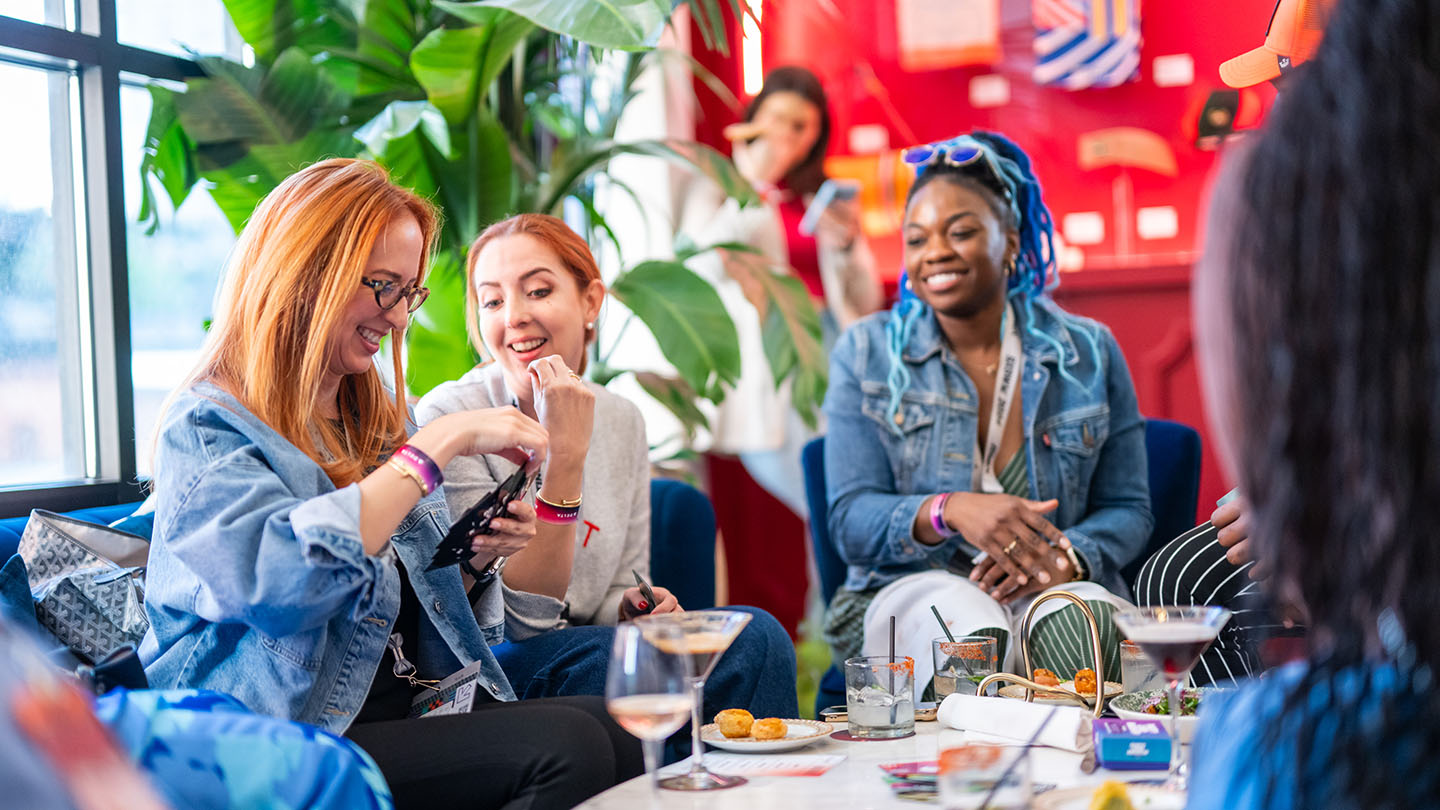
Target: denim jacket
258 585
1084 447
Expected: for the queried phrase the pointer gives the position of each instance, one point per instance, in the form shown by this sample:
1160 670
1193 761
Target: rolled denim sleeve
262 556
1118 521
870 523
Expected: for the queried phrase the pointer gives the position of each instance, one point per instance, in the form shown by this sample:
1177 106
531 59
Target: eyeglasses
961 153
388 294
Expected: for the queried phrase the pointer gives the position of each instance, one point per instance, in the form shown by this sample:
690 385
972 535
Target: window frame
98 59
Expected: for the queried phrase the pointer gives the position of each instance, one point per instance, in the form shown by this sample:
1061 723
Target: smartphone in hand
645 592
831 190
476 520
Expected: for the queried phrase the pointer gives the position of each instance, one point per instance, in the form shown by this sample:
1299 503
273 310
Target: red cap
1295 30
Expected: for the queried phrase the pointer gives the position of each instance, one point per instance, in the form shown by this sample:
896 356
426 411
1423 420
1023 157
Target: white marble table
857 782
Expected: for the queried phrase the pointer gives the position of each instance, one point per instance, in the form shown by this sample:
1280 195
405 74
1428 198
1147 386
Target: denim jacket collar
926 339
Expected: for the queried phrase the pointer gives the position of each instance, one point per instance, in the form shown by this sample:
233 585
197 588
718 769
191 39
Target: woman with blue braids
984 445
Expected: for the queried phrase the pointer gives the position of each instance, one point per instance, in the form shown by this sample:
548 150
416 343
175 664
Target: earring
1010 267
907 284
590 325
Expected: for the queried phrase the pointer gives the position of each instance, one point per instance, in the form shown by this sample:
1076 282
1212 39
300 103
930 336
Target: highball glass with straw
1173 638
705 635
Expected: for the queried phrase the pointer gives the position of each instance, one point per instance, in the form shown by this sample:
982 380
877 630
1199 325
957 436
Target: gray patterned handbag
87 580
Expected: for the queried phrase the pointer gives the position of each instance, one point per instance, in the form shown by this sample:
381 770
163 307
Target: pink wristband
937 516
555 513
421 465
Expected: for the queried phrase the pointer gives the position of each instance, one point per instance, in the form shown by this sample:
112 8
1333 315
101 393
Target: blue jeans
757 672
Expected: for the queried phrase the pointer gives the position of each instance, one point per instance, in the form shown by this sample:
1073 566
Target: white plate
1144 797
798 734
1123 706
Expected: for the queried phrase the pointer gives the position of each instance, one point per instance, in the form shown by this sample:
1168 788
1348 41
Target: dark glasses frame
414 294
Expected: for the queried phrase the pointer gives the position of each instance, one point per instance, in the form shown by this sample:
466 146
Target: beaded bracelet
937 516
416 464
560 514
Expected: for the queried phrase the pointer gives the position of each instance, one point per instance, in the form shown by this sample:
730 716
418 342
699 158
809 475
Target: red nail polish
644 605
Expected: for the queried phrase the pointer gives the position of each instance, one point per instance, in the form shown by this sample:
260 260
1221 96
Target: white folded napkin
1016 721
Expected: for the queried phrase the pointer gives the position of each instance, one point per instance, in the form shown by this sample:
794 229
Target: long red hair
293 271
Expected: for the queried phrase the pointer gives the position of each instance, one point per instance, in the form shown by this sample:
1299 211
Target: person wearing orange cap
1294 32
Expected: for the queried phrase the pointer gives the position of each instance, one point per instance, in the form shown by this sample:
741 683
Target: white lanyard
1007 382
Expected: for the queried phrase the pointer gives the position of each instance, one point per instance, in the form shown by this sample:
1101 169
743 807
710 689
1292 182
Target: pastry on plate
771 728
734 723
1085 682
1111 796
1045 677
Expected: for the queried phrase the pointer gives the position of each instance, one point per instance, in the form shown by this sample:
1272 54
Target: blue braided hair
1013 193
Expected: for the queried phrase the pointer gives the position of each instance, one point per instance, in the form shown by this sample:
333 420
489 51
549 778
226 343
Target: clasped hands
1024 552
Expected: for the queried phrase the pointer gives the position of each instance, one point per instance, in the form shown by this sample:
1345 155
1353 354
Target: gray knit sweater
612 535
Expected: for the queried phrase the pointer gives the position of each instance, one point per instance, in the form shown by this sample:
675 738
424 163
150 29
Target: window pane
172 26
48 12
42 424
173 275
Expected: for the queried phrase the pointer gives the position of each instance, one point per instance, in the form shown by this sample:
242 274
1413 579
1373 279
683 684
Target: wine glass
705 635
1173 638
647 688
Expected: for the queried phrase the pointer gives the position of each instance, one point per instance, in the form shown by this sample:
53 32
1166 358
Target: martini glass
1173 639
704 637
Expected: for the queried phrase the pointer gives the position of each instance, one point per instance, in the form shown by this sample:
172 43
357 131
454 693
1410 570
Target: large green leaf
254 105
689 322
791 337
168 157
446 63
436 347
628 25
270 27
455 64
399 119
677 397
386 35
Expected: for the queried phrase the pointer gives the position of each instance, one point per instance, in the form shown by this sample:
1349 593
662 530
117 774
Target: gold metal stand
1030 686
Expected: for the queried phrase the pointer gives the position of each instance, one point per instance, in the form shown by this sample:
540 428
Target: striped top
1015 478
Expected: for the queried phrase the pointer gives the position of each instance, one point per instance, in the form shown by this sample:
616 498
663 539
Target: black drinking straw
892 670
943 625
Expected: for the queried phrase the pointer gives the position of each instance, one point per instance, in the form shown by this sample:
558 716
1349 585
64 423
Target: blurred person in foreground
1318 311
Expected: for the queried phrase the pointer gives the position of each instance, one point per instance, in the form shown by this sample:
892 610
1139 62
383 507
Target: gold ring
576 376
1011 547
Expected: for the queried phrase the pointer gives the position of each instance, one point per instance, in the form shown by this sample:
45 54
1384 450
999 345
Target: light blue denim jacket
1084 447
258 585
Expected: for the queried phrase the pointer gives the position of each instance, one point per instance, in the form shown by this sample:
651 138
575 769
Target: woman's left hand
566 407
633 603
1044 564
509 534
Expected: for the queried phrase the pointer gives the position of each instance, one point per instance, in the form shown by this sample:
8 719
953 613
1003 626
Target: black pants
1192 570
532 754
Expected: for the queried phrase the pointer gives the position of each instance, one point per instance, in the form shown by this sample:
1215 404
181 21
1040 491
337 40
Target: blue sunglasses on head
963 153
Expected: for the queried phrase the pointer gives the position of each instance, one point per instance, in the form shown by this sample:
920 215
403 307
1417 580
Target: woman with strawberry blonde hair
298 509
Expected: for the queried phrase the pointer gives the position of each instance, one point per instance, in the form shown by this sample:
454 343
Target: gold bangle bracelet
400 467
1075 563
569 503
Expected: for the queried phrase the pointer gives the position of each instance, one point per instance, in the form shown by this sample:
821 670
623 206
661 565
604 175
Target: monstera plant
488 108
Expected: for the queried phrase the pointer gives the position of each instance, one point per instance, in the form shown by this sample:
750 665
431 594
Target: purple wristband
937 516
419 461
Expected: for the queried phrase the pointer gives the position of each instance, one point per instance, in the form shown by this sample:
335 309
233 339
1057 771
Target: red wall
1142 294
